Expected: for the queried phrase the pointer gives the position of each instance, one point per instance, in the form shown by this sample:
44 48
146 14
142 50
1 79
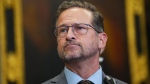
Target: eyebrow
62 25
67 25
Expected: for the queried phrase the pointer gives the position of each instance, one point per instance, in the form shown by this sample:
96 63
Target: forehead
75 15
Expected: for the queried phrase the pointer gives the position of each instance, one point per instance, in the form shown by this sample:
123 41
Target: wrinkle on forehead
68 19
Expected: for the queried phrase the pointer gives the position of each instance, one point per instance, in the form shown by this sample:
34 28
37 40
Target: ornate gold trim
138 62
3 44
11 63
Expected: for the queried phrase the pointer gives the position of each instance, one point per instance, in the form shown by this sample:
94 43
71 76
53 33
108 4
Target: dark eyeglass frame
74 31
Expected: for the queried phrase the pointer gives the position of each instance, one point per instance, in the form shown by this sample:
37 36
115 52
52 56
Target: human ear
102 40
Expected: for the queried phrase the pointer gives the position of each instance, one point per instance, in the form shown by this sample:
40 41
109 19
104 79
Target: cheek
60 43
85 43
91 41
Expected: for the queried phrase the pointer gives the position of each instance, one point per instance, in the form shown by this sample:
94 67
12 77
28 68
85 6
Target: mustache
71 43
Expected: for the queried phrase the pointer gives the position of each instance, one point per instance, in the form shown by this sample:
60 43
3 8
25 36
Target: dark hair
97 21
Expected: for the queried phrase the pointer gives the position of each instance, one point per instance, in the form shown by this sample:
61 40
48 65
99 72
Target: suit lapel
103 76
60 79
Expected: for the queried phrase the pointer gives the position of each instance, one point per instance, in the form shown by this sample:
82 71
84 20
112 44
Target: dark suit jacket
61 79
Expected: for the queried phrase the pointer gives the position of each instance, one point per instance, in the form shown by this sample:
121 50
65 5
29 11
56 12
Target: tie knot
85 82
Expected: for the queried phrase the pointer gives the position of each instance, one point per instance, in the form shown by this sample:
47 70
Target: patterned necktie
85 82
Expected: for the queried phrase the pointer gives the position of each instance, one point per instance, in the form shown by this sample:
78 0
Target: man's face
75 46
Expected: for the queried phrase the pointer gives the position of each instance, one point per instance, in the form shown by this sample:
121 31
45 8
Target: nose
70 35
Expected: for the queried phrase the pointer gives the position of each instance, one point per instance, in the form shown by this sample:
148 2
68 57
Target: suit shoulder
119 81
112 80
52 80
59 79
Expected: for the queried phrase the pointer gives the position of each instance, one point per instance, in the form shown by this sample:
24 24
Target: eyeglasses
78 29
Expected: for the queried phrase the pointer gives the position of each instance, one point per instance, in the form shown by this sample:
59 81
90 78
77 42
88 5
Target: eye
62 30
79 27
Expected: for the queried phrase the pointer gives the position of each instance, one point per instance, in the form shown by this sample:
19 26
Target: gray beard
83 55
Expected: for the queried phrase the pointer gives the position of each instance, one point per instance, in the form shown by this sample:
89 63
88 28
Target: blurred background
28 47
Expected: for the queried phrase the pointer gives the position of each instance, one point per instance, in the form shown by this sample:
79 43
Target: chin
70 57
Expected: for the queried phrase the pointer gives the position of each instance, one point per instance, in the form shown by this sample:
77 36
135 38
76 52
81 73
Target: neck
84 68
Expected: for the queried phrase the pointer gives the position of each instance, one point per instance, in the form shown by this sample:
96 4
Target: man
81 39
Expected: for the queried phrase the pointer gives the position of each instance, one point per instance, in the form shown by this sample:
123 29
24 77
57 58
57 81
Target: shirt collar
73 78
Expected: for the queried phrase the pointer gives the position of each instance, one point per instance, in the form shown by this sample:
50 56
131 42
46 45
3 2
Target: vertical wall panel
11 42
2 45
137 43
